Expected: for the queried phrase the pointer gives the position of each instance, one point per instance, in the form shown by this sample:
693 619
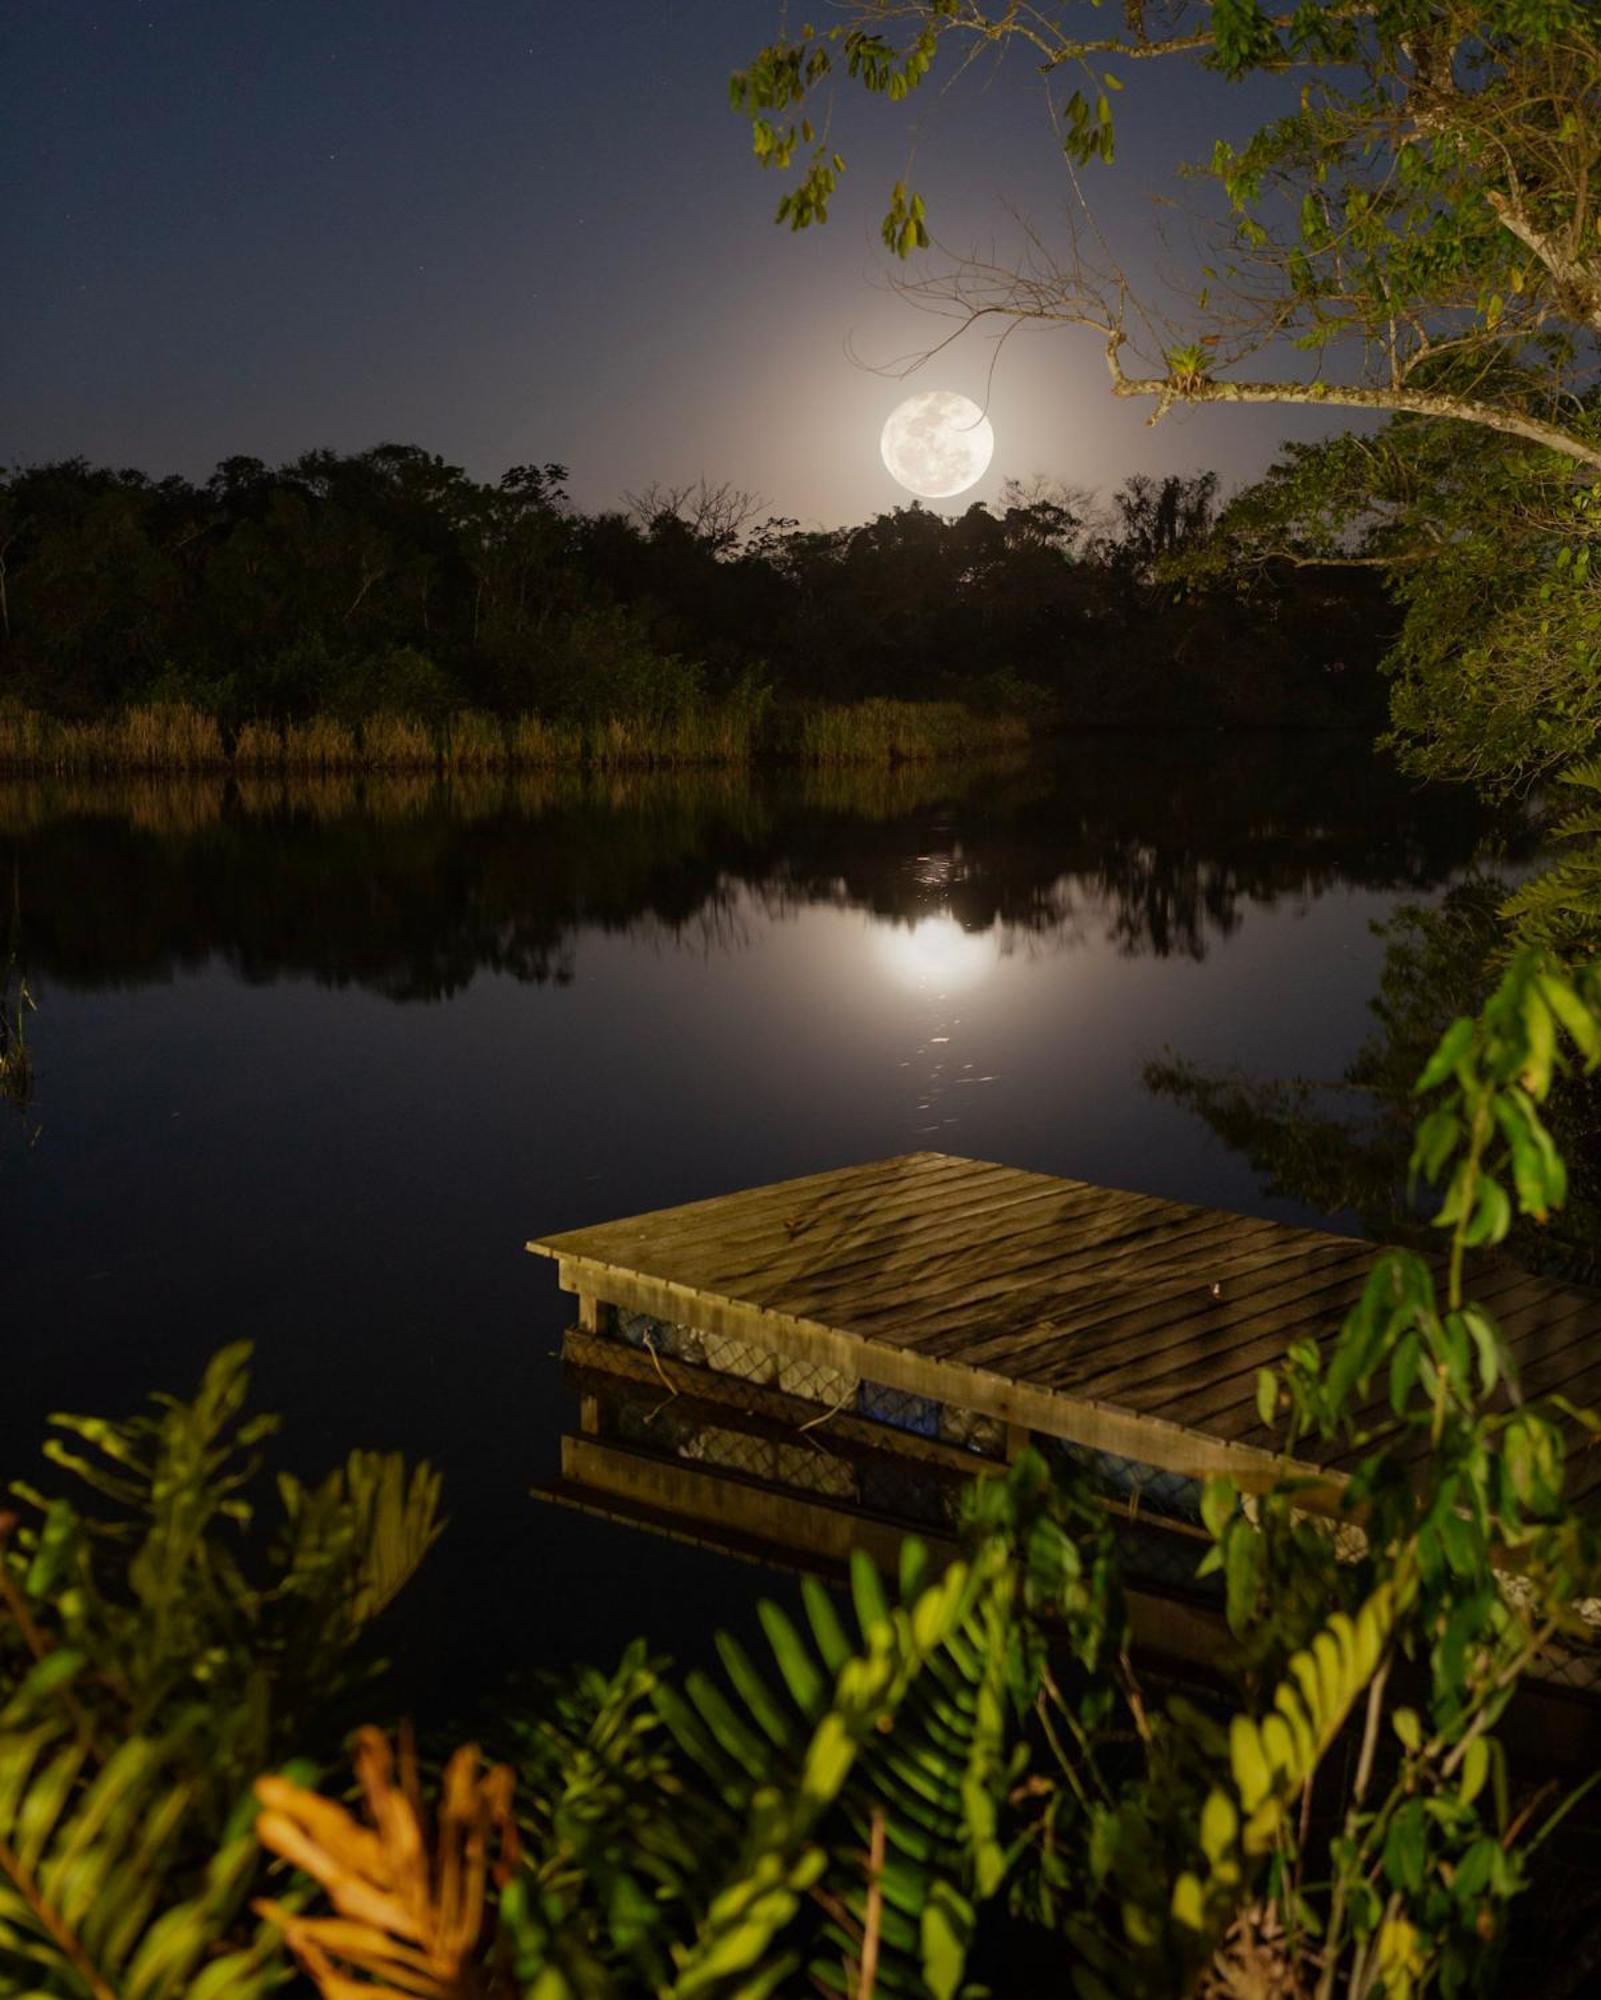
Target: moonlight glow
937 444
935 956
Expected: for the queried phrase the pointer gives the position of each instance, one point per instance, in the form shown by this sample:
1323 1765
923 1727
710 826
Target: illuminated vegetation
968 1779
178 738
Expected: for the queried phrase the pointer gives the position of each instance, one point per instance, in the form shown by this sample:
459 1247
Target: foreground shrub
969 1780
157 1649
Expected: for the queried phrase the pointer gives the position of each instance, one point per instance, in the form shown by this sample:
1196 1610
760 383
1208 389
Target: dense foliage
1345 1143
160 1644
390 582
1412 231
1486 548
969 1780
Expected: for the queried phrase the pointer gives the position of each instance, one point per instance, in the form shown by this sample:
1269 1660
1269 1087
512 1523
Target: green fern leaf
86 1858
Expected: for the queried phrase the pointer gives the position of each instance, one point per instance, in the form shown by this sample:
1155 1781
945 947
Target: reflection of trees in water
1345 1143
1160 847
16 1004
411 890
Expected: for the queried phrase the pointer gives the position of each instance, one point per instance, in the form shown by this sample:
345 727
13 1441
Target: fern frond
409 1922
1560 905
362 1534
85 1859
1585 772
1272 1756
905 1727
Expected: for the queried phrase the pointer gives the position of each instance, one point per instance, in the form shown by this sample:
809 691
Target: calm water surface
313 1062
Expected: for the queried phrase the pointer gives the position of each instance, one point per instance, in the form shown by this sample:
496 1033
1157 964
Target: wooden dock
978 1304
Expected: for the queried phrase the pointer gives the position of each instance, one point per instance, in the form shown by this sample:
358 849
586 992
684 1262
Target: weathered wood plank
1080 1312
794 1238
812 1265
1226 1403
824 1221
1237 1342
1102 1252
835 1181
1133 1325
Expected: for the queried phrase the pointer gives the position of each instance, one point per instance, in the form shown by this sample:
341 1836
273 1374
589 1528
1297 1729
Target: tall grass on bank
903 732
397 743
170 737
537 745
176 738
475 741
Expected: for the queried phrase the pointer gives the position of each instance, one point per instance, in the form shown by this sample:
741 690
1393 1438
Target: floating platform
793 1372
1115 1322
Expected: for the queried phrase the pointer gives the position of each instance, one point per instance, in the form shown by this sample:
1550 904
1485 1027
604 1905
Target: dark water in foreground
312 1065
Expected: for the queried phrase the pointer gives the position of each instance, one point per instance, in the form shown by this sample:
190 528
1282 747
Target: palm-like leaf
699 1844
164 1599
362 1534
1560 906
86 1856
408 1923
661 1851
932 1777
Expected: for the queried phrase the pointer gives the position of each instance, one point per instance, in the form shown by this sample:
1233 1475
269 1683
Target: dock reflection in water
790 1465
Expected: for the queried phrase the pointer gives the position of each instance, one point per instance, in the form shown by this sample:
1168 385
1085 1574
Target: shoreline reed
176 738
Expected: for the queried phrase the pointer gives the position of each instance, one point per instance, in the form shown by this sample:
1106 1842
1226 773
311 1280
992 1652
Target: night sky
524 230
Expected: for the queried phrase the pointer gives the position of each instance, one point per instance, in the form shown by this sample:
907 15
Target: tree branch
1168 389
1576 279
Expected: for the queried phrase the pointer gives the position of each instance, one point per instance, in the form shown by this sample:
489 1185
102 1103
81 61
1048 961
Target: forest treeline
388 583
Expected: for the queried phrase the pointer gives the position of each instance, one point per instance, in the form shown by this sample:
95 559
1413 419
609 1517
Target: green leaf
1492 1213
766 1712
1404 1371
1570 1010
54 1673
1243 1563
1219 1497
808 1686
1451 1048
1219 1826
1488 1343
947 1925
829 1634
1253 1776
867 1592
1540 1026
1475 1769
1406 1848
1188 1905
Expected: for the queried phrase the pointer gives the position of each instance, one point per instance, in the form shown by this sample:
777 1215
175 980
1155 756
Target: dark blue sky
515 230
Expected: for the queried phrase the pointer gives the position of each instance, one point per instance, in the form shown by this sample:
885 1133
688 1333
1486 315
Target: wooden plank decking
1114 1320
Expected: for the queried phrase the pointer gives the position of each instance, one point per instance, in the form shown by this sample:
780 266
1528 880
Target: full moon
937 444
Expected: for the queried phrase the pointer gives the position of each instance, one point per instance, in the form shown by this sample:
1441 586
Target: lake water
314 1061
